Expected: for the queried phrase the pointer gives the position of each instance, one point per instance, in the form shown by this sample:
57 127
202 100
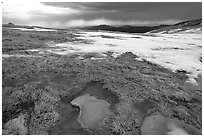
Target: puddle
97 90
186 127
154 125
68 124
92 110
160 125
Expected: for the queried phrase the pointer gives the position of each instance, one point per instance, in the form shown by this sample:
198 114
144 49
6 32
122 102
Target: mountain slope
144 29
189 23
186 26
125 28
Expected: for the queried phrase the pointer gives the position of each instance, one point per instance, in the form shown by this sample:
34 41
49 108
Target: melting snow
173 50
35 29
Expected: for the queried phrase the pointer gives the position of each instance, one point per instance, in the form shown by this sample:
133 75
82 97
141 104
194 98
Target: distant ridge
11 25
189 23
181 26
125 28
143 29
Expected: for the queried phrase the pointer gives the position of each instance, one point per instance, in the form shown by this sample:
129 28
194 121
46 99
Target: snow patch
172 58
34 29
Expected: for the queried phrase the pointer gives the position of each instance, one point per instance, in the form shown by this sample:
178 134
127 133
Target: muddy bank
69 123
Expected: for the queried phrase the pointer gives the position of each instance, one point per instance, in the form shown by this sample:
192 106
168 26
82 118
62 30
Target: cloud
128 6
69 14
74 23
28 10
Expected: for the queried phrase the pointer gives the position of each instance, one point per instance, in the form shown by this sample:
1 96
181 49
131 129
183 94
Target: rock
16 126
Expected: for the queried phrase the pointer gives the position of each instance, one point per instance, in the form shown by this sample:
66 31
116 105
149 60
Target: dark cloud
129 6
125 6
111 13
151 11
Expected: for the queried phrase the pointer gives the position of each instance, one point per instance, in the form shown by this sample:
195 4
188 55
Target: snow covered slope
181 50
186 26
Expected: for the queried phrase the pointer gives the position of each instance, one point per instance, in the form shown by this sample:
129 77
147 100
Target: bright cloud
26 10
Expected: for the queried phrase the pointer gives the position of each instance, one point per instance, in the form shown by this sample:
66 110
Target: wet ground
68 124
93 111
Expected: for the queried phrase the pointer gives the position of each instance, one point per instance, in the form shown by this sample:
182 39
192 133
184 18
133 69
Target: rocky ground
35 86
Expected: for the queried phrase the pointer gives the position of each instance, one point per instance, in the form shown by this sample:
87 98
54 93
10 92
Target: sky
74 14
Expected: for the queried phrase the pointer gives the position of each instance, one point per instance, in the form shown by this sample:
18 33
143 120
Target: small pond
94 95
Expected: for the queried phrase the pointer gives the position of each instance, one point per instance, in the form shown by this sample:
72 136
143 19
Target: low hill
191 25
125 28
144 29
11 25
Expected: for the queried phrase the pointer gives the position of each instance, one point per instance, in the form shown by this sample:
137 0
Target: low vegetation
29 92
